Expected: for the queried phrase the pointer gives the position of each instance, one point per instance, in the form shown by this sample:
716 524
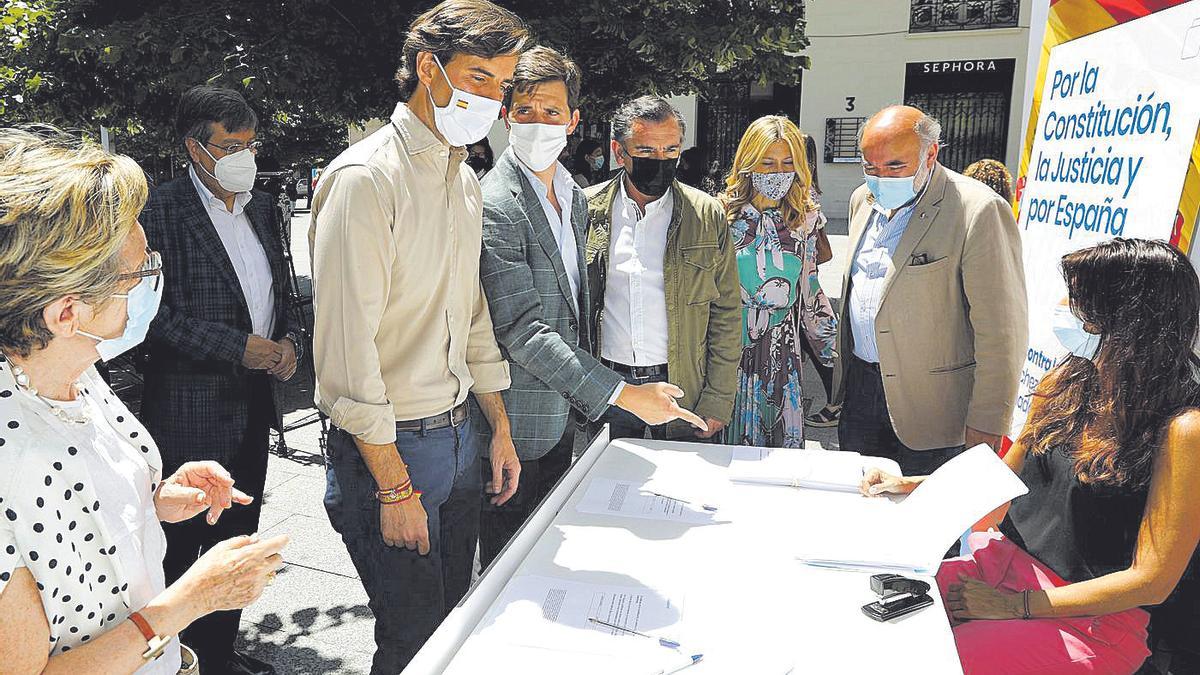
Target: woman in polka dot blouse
81 487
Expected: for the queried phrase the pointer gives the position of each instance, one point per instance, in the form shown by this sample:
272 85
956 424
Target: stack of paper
912 535
814 469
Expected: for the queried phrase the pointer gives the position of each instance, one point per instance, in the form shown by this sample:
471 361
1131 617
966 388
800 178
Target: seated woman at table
1109 454
81 489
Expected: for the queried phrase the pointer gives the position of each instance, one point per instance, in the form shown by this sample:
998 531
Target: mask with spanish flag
467 117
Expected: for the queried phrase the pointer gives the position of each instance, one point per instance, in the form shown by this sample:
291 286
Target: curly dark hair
993 174
1143 299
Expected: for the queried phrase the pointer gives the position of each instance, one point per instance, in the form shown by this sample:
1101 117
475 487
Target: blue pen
707 507
694 659
670 644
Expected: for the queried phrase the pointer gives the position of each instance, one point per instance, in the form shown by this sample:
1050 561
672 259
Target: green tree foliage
313 66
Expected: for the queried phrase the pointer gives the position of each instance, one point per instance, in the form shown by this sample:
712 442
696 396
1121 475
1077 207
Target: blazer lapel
579 221
918 225
196 221
523 190
858 229
260 221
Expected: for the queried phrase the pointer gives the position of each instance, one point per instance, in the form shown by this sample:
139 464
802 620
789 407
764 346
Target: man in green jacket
661 269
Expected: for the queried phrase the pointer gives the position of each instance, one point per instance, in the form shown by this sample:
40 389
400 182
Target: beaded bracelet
401 492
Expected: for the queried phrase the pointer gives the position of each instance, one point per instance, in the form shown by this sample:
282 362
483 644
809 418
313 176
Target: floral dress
782 303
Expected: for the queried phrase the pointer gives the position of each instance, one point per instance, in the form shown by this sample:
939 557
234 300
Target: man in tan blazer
934 319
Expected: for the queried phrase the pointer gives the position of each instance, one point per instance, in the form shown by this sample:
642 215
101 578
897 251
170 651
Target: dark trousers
498 524
212 636
823 371
409 593
624 424
865 426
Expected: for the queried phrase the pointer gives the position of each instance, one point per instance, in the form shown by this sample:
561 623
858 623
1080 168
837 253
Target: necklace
22 379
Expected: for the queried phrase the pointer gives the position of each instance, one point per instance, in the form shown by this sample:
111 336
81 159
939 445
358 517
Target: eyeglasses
252 146
151 268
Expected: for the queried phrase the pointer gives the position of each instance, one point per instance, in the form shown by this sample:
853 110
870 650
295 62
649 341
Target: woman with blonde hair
772 214
82 494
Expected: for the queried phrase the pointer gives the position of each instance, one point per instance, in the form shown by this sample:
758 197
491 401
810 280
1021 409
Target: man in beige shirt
403 332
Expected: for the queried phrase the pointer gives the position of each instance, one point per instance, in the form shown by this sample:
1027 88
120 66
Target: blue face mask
141 306
1070 332
597 163
892 193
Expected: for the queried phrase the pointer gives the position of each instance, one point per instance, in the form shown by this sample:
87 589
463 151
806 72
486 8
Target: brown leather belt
453 418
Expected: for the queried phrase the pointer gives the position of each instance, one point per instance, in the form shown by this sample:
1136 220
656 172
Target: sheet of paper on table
813 469
552 616
605 496
912 535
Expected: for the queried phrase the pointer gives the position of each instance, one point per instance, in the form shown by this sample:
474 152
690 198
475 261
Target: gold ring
270 578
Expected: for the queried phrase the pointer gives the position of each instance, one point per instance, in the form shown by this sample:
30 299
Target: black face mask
478 163
652 177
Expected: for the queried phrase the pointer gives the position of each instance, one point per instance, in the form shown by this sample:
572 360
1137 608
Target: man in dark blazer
534 276
221 345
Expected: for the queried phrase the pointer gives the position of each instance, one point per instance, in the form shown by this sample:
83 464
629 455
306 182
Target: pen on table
706 507
692 660
662 641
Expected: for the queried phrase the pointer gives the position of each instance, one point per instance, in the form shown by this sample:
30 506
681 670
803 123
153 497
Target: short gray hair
647 109
929 130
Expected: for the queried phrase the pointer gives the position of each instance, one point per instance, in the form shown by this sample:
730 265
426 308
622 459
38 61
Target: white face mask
141 306
1070 332
235 172
467 118
537 145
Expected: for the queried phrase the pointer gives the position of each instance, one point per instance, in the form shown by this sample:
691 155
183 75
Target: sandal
825 417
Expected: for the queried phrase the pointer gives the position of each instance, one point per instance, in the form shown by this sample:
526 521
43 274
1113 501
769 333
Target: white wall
872 70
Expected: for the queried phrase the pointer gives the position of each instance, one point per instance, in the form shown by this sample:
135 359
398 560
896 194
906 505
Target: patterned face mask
773 186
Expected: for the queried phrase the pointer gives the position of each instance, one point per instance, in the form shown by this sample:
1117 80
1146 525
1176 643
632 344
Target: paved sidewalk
314 619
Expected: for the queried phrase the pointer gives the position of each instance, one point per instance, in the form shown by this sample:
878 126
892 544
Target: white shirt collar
562 182
663 203
210 200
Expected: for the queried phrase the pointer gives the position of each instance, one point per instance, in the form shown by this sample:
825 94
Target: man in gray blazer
532 269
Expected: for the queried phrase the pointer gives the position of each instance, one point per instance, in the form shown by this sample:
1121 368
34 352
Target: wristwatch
155 643
298 343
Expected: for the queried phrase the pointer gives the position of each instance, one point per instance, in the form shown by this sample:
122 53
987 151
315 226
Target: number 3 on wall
850 103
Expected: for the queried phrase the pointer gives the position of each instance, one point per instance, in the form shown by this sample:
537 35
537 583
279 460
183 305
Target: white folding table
749 605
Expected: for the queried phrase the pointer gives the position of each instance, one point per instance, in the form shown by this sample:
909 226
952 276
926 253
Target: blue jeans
410 594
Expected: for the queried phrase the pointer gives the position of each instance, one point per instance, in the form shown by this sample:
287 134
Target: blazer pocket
947 370
927 268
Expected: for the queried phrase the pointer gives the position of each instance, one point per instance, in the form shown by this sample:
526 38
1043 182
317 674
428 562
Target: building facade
963 61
